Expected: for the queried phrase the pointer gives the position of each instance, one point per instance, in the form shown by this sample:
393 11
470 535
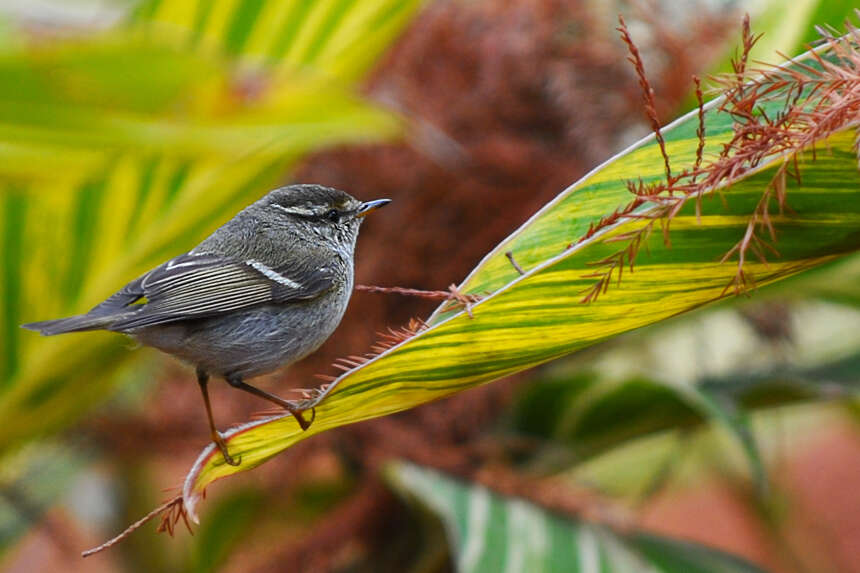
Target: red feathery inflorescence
819 101
647 91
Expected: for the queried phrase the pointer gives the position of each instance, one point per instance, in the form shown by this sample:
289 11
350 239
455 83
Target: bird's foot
297 413
222 445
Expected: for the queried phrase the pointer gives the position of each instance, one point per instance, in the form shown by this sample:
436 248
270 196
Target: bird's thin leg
202 380
236 382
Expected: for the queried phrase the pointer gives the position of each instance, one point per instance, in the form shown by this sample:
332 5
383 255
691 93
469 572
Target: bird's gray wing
197 286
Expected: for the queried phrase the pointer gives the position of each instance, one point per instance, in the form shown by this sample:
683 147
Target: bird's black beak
370 206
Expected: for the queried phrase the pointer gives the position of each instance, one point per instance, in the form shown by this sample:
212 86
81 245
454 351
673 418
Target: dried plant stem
514 263
452 295
432 294
751 241
168 506
700 130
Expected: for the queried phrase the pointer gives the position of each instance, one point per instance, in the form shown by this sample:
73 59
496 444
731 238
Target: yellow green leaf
529 319
339 38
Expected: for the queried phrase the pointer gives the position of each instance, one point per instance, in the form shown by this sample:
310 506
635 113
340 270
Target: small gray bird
264 290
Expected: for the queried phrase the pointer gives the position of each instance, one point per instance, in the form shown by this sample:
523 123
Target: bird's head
317 213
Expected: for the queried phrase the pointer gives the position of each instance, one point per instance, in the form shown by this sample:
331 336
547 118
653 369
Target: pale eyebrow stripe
293 210
271 274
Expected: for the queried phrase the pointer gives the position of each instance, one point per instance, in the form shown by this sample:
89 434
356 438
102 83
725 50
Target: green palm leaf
340 38
489 532
533 318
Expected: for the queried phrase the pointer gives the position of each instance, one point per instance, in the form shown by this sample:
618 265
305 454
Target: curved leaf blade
540 316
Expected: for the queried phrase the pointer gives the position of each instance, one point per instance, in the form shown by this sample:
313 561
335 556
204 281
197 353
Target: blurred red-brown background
509 103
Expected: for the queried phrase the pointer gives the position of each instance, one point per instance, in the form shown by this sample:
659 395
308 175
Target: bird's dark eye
332 215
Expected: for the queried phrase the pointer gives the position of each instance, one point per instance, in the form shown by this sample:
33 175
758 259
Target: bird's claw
228 459
305 424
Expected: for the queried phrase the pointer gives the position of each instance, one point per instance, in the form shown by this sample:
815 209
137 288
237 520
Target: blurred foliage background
129 130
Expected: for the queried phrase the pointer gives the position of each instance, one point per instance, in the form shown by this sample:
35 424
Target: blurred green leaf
122 149
231 520
109 95
791 30
591 413
783 31
492 533
588 414
832 14
339 38
30 481
838 282
724 413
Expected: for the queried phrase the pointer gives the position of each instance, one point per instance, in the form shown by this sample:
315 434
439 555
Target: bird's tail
70 324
